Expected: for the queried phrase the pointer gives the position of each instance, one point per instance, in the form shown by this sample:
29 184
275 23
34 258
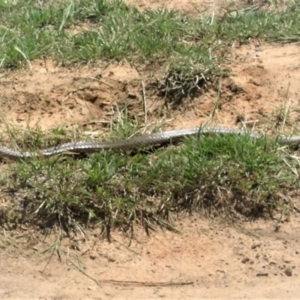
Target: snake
146 140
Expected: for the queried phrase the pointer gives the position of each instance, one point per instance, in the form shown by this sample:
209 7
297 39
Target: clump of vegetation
213 175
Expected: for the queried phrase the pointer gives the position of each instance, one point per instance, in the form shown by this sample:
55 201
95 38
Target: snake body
136 142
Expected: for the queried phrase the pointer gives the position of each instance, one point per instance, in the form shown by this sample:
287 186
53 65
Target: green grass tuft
215 175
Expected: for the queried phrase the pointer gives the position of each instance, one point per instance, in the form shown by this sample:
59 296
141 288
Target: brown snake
136 142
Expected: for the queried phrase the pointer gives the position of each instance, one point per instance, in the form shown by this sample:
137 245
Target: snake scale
136 142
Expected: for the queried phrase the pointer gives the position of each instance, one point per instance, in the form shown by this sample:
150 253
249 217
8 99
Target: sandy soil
208 259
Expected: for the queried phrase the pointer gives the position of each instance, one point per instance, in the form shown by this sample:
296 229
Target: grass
213 175
230 177
117 31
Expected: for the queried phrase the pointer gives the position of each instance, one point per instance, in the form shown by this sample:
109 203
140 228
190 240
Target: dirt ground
208 259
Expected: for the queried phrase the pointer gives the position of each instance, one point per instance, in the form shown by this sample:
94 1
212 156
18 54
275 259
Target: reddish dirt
208 259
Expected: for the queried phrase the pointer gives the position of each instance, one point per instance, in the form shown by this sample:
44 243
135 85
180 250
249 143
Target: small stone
260 274
93 255
257 245
288 272
245 260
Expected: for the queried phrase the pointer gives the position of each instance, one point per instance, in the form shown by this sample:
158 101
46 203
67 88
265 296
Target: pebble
93 254
288 272
260 274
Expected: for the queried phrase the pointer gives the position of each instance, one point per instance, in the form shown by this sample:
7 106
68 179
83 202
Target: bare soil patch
259 91
208 259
